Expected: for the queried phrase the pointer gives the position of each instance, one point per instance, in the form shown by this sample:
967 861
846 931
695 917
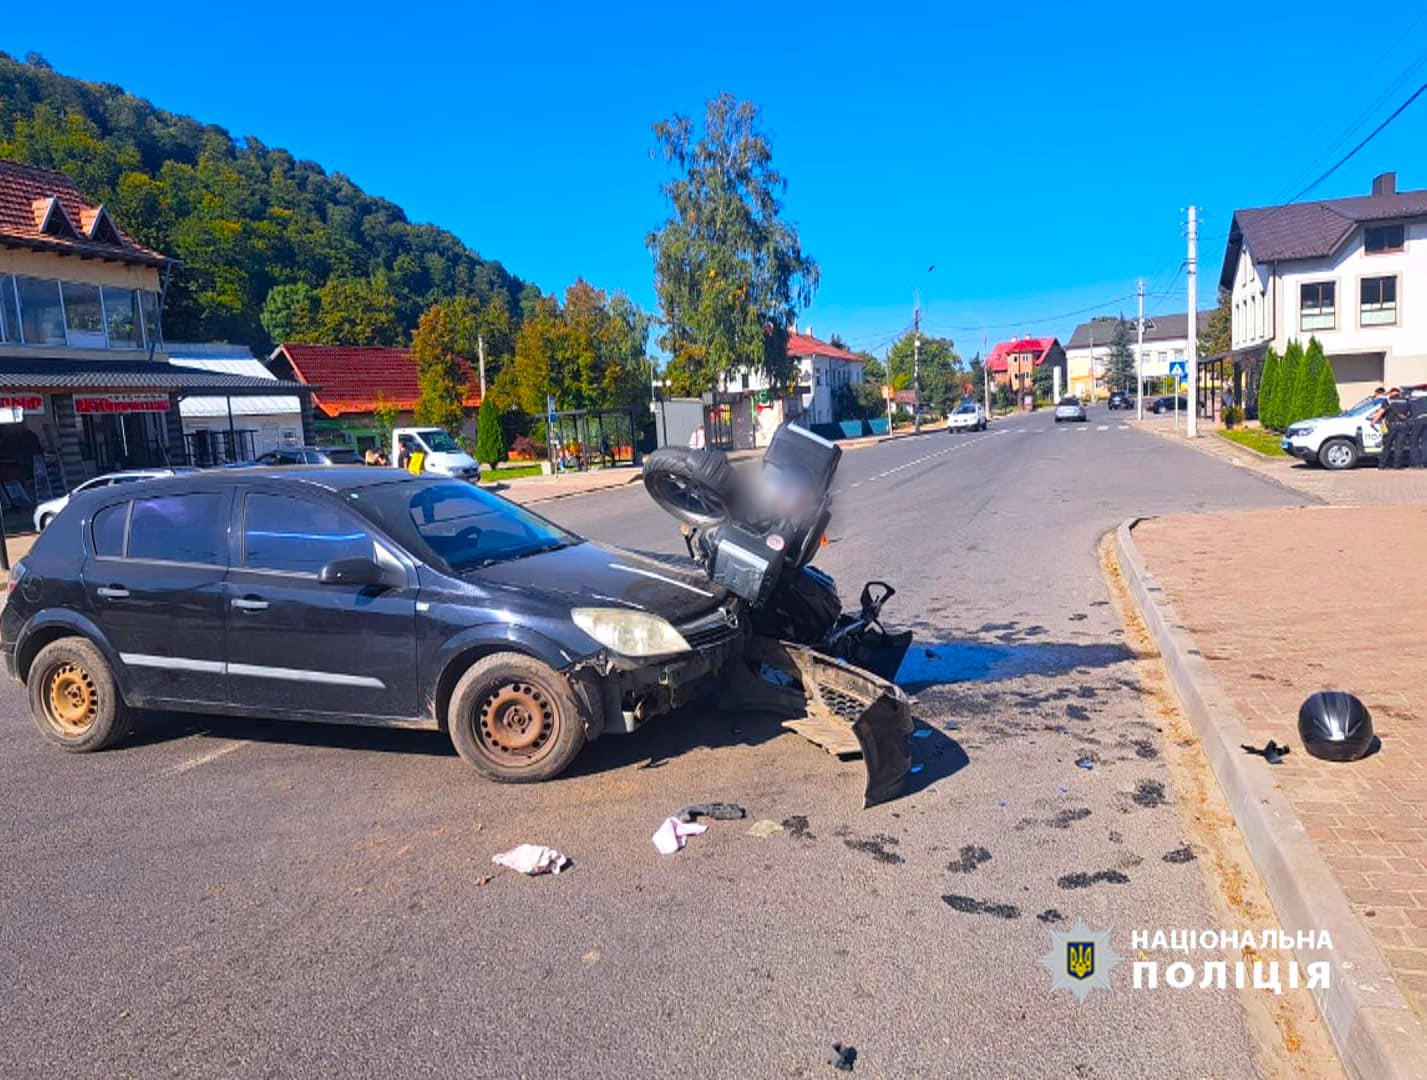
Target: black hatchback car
354 596
1121 399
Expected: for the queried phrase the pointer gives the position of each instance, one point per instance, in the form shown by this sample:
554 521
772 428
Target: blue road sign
1179 368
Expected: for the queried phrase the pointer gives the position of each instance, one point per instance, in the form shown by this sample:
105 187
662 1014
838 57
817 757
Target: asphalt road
222 899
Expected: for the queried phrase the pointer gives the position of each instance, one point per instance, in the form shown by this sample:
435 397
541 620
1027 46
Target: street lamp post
917 356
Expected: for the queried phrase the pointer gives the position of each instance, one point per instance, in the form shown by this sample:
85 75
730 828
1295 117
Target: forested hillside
272 247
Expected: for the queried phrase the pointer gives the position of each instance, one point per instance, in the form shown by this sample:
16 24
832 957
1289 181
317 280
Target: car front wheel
1338 454
74 698
45 521
515 719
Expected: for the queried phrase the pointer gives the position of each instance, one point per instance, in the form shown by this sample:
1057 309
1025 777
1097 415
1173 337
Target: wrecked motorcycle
825 670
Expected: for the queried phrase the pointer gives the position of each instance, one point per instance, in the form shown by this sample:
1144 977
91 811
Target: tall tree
941 371
1326 401
290 313
358 311
490 442
1292 370
1121 371
442 347
729 272
1270 385
1218 333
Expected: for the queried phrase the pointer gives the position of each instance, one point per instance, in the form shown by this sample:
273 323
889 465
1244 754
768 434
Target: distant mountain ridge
243 218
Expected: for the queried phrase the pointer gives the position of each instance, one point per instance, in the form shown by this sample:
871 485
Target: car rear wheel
1338 454
515 719
74 698
45 521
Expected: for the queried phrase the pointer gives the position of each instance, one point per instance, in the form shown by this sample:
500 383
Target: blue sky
1040 156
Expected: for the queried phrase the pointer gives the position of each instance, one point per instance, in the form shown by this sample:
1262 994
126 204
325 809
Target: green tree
1305 391
1270 383
942 374
442 347
1217 337
386 415
873 370
358 311
1043 381
290 313
1325 398
490 442
1122 372
728 270
1293 371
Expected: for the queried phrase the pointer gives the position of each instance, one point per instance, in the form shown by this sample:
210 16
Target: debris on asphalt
922 733
673 833
951 725
591 958
719 811
917 768
1084 763
798 828
532 859
1271 751
764 829
842 1057
485 879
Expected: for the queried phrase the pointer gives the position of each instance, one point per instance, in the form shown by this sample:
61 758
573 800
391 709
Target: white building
1350 272
1087 355
222 429
823 369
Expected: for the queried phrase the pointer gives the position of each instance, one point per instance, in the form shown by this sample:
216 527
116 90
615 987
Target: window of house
1179 354
1317 305
121 318
298 536
83 315
1378 301
9 311
41 315
179 528
149 308
1378 239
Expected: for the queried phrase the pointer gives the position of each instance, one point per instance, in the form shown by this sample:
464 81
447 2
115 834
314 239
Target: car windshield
457 527
1367 405
964 409
341 455
439 441
1071 401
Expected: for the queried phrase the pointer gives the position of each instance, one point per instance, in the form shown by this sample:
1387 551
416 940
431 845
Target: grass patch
511 472
1265 442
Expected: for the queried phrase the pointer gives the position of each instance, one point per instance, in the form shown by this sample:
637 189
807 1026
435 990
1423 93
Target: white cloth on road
532 859
670 836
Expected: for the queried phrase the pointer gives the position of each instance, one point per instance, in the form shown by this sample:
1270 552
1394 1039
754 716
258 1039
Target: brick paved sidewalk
1284 602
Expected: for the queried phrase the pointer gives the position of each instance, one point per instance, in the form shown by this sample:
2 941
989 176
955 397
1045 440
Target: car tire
1338 454
695 486
45 522
74 697
495 706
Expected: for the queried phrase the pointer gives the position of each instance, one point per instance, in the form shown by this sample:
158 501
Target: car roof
328 478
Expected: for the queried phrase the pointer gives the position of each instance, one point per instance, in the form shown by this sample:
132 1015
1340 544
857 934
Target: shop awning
62 376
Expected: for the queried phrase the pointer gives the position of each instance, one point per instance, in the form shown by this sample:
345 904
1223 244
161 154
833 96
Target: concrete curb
1376 1032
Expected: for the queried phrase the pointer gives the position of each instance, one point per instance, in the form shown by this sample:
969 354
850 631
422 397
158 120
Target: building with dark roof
85 383
1087 352
1342 270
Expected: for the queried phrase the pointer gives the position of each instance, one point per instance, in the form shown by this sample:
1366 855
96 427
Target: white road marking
1102 427
1123 427
204 759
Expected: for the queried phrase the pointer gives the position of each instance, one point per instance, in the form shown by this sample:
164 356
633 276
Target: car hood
592 574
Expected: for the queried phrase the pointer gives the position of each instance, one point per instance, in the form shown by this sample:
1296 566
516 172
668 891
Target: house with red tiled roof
1013 363
84 377
823 369
355 381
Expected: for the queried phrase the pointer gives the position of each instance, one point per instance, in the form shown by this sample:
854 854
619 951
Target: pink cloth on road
532 859
670 836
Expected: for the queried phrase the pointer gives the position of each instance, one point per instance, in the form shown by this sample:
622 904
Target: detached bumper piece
844 709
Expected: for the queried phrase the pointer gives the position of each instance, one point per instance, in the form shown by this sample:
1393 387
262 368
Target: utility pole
1191 426
986 372
917 367
481 352
1140 356
1092 360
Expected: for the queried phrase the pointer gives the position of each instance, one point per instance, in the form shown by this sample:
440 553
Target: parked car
46 511
309 455
366 596
1071 408
1166 404
968 416
1337 442
1121 399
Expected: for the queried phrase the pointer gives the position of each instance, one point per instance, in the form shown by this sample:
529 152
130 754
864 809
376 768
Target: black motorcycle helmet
1335 726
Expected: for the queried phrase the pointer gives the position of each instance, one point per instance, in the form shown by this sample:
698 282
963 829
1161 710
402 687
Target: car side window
186 528
269 458
108 529
299 536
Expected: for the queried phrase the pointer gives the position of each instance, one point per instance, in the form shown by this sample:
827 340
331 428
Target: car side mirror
361 572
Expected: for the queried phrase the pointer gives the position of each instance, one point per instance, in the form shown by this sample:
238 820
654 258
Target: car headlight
630 633
1302 429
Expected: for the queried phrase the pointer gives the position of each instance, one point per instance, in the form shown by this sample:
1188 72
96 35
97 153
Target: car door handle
250 603
113 592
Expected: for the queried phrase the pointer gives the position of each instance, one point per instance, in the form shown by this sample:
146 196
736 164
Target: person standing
1394 413
1417 430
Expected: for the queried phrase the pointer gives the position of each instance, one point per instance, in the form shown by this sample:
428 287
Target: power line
1035 319
1367 139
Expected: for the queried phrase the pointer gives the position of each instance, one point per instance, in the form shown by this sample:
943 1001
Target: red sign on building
89 404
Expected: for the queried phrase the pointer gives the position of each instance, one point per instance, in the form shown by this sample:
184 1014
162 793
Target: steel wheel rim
1338 456
515 723
71 700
